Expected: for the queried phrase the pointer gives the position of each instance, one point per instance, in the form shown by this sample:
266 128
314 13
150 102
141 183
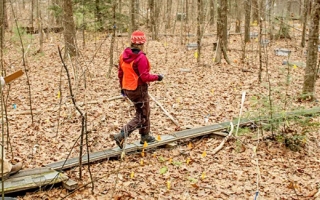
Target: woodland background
210 53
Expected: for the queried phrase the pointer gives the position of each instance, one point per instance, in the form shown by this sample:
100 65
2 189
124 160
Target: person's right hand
3 82
160 77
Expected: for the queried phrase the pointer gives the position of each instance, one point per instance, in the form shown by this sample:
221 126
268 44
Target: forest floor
247 164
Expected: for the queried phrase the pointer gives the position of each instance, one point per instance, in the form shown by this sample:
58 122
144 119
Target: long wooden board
165 139
131 147
32 179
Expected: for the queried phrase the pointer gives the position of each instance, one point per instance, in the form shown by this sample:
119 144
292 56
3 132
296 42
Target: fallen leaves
172 172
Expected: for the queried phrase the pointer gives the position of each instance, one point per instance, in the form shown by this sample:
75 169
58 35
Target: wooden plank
30 172
185 134
70 184
33 179
131 147
13 76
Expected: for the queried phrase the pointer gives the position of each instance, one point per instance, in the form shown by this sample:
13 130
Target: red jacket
140 65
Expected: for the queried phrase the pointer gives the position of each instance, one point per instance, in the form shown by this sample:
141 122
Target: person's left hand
122 93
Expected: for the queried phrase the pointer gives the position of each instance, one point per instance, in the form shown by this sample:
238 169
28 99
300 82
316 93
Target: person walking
134 77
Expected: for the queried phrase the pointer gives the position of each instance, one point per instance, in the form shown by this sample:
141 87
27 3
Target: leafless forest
223 60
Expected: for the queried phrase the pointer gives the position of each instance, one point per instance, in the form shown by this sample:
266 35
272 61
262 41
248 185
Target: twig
241 107
60 102
24 62
80 112
164 110
215 53
218 148
55 109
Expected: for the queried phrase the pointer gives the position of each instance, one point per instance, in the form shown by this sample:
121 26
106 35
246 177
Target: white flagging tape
241 107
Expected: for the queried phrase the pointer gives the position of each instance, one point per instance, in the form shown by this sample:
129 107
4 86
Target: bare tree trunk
157 18
112 38
154 13
133 16
202 13
311 70
69 29
305 20
169 8
262 10
247 21
1 96
152 19
199 31
2 7
187 11
120 6
31 19
260 39
136 12
218 54
211 4
271 19
148 13
5 15
255 11
238 15
40 27
222 28
98 15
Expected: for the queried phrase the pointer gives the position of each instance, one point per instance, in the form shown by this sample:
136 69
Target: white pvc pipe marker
241 107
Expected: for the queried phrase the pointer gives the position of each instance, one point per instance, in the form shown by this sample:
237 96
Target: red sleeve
120 73
143 67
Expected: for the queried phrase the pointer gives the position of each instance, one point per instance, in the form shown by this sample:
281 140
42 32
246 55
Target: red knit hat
138 37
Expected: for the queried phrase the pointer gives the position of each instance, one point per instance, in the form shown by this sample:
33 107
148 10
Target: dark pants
141 120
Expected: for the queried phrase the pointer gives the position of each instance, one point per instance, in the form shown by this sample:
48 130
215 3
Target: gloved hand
122 93
2 81
160 77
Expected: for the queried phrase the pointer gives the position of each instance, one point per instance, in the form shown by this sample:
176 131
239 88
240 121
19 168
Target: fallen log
165 112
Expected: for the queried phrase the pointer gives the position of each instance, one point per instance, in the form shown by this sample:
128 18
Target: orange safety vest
130 78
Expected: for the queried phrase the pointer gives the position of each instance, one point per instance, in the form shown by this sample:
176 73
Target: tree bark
154 16
222 30
247 21
169 8
133 16
305 19
187 11
112 38
310 74
98 15
39 27
31 17
271 19
2 8
69 29
152 19
199 13
238 15
211 4
255 11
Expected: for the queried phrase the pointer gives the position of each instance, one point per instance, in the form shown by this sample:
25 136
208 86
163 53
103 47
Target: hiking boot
119 138
147 138
15 168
